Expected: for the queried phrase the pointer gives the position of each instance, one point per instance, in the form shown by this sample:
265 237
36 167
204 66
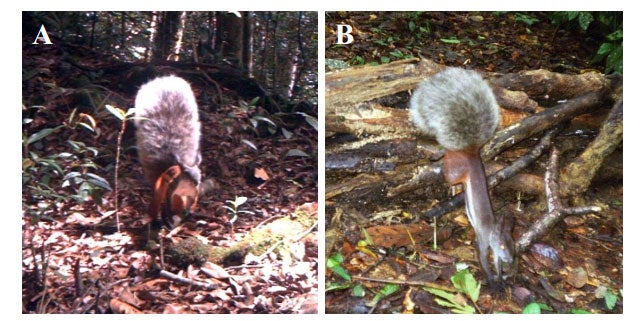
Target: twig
117 165
406 282
555 209
306 232
180 279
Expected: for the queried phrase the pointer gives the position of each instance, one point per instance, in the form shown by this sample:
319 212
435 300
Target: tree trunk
230 38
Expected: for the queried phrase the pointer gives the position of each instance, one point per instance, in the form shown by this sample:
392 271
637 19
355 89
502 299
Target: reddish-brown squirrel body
167 137
458 108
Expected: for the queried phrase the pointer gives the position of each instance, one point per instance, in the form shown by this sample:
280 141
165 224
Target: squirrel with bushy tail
457 107
167 137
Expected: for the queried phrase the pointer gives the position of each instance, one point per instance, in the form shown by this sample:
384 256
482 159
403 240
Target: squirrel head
175 194
184 196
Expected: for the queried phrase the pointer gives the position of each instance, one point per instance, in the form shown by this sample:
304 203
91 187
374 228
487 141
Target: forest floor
258 168
576 267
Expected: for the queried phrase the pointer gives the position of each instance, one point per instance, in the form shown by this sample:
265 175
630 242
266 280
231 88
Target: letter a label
42 37
341 33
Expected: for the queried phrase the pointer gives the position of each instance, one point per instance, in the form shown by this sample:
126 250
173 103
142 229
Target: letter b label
344 31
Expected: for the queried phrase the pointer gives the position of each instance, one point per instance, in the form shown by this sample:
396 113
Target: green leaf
265 119
358 291
98 181
615 36
249 143
614 62
610 299
449 300
51 163
605 49
86 126
73 177
337 257
412 26
450 41
254 101
387 290
397 54
579 311
367 237
446 303
441 293
312 121
466 309
571 15
584 19
531 308
385 59
119 113
464 282
337 286
41 134
240 200
287 134
334 264
296 153
526 19
545 307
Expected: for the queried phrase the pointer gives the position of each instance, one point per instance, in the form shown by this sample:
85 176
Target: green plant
85 183
47 171
464 283
606 26
525 18
568 17
609 295
385 291
535 308
123 116
334 263
451 40
418 28
234 208
357 60
612 52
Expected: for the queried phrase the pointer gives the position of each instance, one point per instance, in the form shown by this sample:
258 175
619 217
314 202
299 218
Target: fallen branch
539 122
550 86
406 282
555 209
404 179
580 172
355 85
176 278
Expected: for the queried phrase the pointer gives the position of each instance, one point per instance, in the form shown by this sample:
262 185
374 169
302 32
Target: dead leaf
400 235
174 308
215 271
121 307
261 173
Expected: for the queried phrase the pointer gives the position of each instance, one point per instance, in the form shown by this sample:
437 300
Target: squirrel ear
160 189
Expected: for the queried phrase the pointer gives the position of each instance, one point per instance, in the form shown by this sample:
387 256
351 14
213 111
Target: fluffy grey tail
168 130
457 107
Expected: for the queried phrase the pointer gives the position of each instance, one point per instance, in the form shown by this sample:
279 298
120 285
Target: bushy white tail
167 137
